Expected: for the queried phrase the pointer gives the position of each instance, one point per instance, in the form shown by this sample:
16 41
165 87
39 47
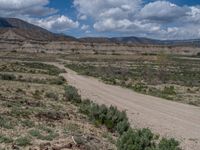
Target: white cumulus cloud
56 23
38 13
16 8
157 19
162 11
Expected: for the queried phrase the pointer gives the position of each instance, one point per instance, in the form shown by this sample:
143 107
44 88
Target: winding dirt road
169 119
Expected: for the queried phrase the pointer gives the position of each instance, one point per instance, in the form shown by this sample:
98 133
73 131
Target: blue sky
159 19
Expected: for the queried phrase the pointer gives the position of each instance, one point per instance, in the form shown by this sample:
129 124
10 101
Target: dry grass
37 116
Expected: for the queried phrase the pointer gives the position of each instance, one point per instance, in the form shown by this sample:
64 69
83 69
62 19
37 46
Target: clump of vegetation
51 70
6 122
136 140
10 77
31 67
48 136
139 87
144 139
5 139
52 96
71 128
51 115
112 118
27 123
168 144
59 81
37 94
71 94
169 90
23 141
19 112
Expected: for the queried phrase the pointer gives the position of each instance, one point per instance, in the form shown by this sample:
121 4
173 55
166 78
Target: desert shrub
27 123
72 128
37 133
71 94
122 126
112 118
168 144
52 96
6 122
136 140
23 141
59 81
140 87
51 70
115 117
51 115
166 93
19 112
5 139
169 90
37 94
84 107
7 77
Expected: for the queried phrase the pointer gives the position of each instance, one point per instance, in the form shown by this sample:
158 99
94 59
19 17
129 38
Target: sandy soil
169 119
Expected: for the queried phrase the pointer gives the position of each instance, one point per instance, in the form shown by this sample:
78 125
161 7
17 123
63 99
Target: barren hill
28 31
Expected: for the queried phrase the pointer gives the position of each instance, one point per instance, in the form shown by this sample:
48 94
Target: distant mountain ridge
4 23
25 30
142 41
29 31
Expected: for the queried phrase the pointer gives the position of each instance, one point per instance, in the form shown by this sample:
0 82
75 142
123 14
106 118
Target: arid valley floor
160 92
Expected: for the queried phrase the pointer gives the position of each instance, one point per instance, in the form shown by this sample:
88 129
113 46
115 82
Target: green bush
19 112
122 126
52 96
7 77
136 140
5 139
140 87
169 90
72 95
23 141
51 69
168 144
84 107
49 137
112 118
6 122
27 123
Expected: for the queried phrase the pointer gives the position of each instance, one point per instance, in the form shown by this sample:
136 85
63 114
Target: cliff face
17 35
75 47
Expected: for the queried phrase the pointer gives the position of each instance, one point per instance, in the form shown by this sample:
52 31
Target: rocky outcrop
18 35
75 47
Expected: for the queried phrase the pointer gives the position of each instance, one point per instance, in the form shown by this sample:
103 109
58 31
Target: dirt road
169 119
